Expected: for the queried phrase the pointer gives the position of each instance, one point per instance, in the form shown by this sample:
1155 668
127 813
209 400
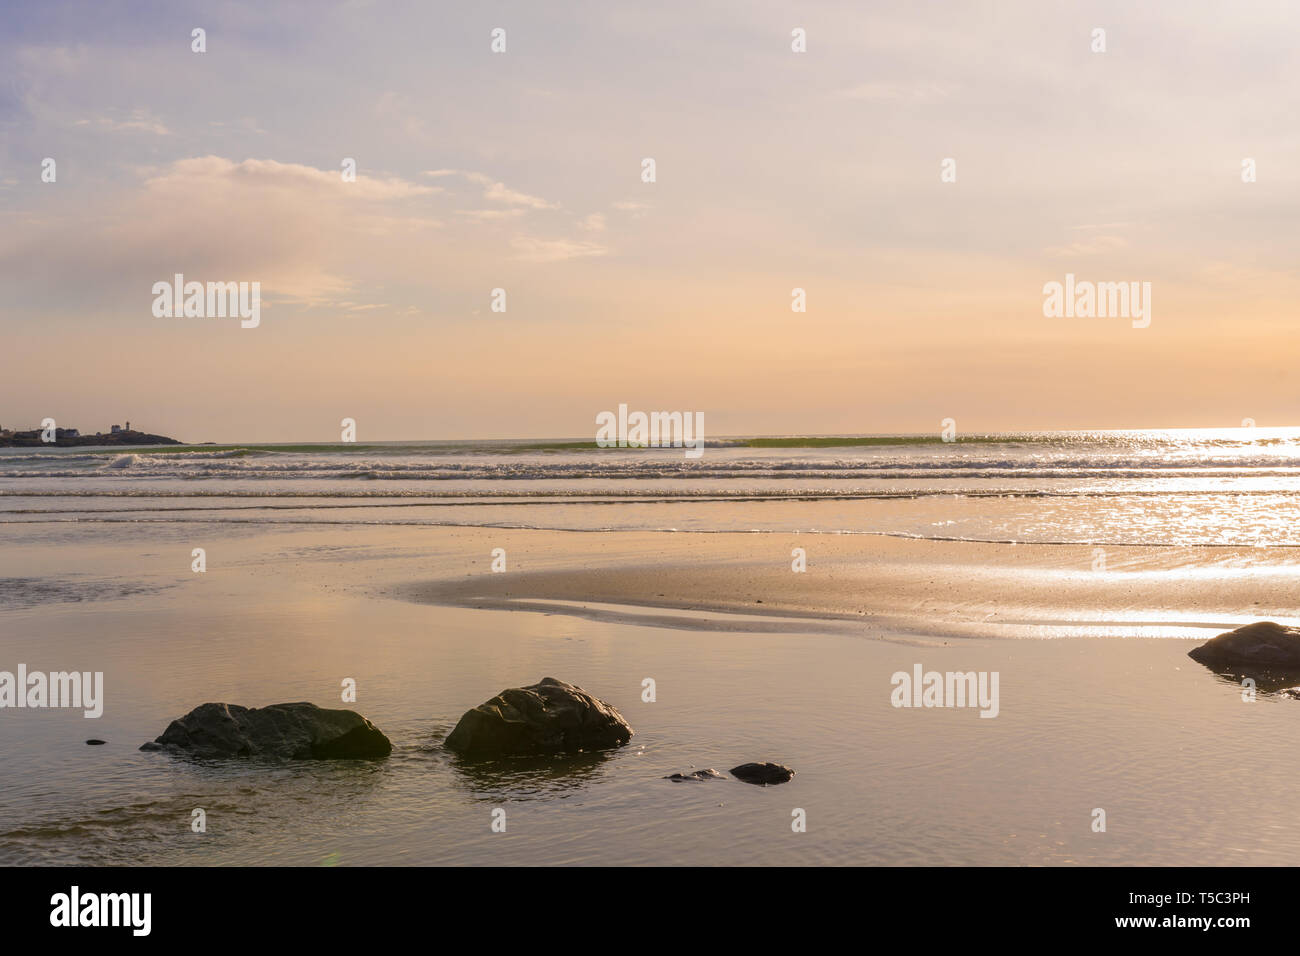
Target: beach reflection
521 778
1266 682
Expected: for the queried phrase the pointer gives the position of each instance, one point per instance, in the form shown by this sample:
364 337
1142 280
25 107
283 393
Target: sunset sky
522 170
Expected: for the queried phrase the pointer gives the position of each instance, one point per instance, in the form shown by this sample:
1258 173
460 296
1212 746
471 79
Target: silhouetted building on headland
36 437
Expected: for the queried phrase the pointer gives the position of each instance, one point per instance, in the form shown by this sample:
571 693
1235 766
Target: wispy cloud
494 191
137 121
491 215
192 174
533 249
307 235
895 91
1093 242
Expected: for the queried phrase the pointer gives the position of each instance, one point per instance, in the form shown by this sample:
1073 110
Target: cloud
303 233
137 121
245 123
532 249
1089 246
499 192
493 191
893 92
311 239
490 215
207 172
632 205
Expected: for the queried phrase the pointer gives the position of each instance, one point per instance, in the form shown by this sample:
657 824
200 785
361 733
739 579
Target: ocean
1177 487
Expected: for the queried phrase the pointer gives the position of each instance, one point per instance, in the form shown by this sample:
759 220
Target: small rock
762 773
95 742
695 775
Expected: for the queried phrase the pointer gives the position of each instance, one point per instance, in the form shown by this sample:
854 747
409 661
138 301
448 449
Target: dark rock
762 773
695 776
548 717
95 742
299 731
1263 650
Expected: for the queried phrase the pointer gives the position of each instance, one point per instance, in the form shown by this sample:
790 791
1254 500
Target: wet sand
1187 772
902 588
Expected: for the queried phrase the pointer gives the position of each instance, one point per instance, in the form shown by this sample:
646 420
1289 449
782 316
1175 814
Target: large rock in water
548 717
1258 649
762 773
299 731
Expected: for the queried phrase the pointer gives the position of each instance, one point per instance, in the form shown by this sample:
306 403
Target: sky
522 170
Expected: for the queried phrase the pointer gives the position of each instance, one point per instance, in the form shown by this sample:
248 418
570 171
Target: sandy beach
417 618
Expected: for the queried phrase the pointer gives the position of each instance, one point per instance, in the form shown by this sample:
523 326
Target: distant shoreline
32 439
1230 437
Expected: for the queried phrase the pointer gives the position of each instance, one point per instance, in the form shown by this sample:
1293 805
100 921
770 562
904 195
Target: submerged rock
1261 649
762 773
696 776
300 731
95 742
548 717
